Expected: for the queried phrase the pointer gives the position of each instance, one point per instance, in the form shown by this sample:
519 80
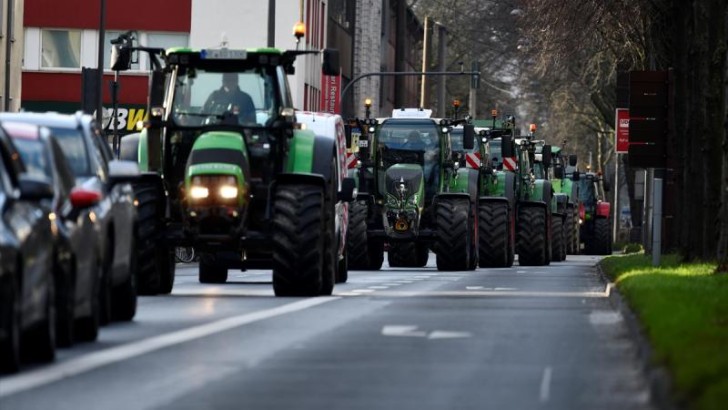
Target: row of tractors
230 168
475 192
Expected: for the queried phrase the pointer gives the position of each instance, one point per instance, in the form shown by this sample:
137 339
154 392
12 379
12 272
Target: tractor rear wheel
298 240
155 260
363 254
602 242
493 234
532 236
452 243
557 236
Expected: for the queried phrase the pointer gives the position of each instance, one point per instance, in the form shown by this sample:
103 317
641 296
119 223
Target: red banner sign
331 94
621 130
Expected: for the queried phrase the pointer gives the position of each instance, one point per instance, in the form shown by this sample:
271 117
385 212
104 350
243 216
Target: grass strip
683 309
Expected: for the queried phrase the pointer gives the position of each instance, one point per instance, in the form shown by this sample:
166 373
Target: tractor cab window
456 136
235 97
587 191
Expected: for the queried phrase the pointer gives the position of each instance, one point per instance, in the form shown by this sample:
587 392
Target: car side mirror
331 65
348 190
468 137
34 188
84 198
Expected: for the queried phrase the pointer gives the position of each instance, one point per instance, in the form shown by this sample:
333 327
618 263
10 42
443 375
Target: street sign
621 130
331 93
648 118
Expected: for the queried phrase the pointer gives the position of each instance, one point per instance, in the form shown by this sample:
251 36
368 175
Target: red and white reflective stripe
509 163
472 160
351 161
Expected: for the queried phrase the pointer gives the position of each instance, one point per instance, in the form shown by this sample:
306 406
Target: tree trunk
722 37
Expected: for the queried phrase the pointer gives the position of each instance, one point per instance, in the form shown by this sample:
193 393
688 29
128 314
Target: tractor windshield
456 136
243 97
587 192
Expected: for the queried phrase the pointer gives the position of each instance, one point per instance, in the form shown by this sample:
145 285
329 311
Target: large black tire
452 243
211 272
10 346
105 290
423 254
602 237
558 244
298 240
493 234
41 339
363 254
532 236
473 223
403 255
569 232
124 295
155 260
511 237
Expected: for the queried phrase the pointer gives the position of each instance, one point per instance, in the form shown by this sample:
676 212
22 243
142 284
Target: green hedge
684 311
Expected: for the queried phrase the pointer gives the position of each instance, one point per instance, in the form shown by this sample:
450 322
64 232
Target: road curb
658 377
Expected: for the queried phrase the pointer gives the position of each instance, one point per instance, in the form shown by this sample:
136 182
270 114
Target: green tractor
595 231
412 195
533 206
230 173
544 154
565 181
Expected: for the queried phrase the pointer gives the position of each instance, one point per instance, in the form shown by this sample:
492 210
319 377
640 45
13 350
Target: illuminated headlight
199 192
228 192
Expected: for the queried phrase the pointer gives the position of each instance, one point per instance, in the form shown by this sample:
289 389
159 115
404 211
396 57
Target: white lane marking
405 282
545 390
521 271
604 317
402 331
363 290
73 367
505 289
474 287
348 294
378 287
486 293
445 334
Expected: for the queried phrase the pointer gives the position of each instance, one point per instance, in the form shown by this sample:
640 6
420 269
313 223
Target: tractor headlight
228 191
199 192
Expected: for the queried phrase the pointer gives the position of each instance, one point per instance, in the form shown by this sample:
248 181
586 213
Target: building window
61 48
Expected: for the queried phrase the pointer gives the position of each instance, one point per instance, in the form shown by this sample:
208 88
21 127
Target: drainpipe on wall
9 39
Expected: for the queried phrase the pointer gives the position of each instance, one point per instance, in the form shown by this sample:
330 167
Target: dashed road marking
545 389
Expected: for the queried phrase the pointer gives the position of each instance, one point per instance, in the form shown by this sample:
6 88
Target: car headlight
228 191
199 192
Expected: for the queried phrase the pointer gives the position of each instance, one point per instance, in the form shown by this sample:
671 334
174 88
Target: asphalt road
518 338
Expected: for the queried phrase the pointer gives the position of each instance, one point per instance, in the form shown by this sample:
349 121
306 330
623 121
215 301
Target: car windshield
209 97
72 143
35 157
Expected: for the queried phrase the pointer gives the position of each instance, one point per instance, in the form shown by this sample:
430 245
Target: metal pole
441 56
9 37
647 221
617 211
424 65
475 68
100 65
657 218
114 116
271 23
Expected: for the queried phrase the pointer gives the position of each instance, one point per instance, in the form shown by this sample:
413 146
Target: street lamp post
100 65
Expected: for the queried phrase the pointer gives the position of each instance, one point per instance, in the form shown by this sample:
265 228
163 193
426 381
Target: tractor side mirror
546 156
575 176
156 97
468 137
507 147
331 64
572 160
558 172
120 56
347 133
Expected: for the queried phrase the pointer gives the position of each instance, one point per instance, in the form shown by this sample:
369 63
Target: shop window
61 48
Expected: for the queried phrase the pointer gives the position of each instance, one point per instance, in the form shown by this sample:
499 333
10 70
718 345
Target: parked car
95 169
27 308
76 263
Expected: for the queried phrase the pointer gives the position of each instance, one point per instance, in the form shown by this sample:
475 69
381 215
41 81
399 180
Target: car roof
50 119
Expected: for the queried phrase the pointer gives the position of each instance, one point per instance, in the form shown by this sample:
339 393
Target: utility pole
271 23
100 66
9 39
423 82
441 56
474 83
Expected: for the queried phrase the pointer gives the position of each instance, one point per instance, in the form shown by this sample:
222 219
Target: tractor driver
230 97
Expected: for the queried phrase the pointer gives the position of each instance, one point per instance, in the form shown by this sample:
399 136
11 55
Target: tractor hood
404 185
